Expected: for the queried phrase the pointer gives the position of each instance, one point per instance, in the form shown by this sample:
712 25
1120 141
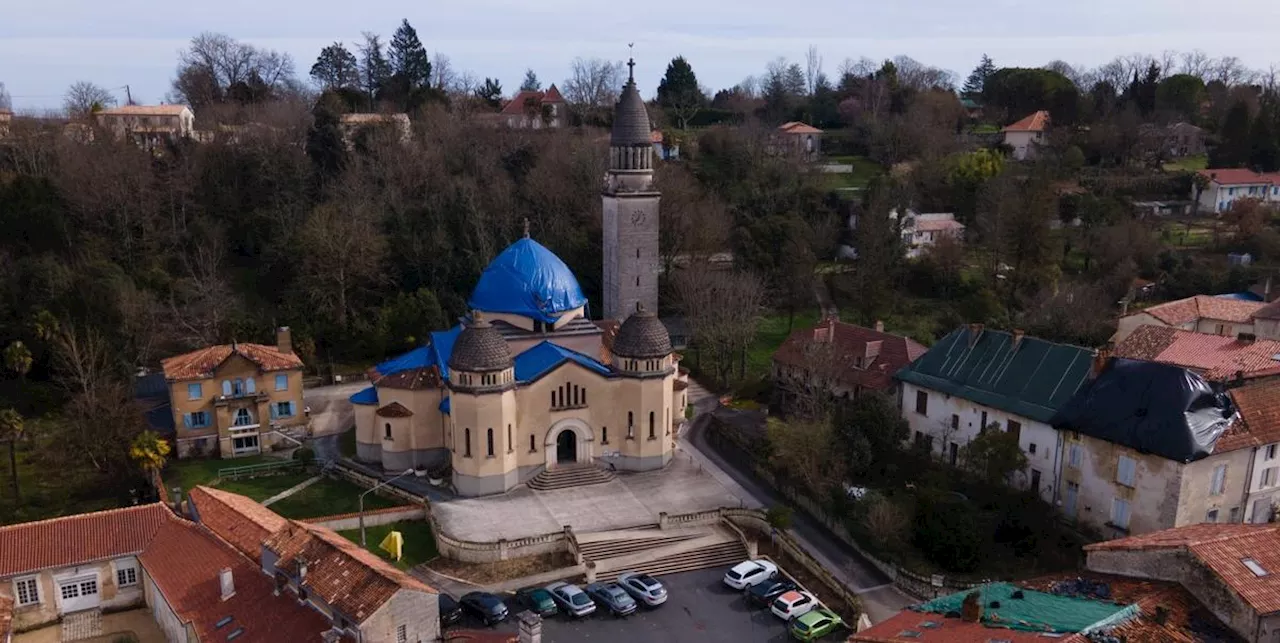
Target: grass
419 542
76 488
193 472
347 443
1188 164
864 169
770 334
330 497
264 487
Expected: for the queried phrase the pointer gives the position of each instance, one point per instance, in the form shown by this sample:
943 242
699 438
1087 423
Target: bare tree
1230 71
722 309
812 68
342 250
1194 63
593 83
915 75
443 75
84 98
804 453
695 224
213 63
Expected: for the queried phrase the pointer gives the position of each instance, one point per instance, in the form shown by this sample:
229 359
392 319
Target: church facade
526 383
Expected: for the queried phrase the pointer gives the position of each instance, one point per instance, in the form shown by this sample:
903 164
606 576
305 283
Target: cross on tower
631 62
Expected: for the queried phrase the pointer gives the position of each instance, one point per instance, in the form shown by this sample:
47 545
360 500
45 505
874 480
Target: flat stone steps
573 476
614 548
724 555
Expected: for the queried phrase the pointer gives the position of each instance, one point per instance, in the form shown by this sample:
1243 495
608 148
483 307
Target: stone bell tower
630 210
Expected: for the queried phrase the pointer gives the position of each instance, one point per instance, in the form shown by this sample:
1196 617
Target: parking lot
699 607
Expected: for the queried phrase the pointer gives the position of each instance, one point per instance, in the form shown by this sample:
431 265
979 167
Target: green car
537 600
815 624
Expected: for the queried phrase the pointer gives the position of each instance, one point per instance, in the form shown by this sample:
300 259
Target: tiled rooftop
1191 309
1036 122
240 521
1216 357
849 343
74 540
202 363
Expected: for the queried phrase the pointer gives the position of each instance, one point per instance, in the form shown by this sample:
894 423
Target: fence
340 470
373 518
263 469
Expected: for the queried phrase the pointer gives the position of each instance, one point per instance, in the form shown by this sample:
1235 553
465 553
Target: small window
1014 427
387 428
1120 513
1075 455
955 422
533 446
651 435
237 387
1268 477
1271 452
489 440
195 391
466 446
1211 515
1233 516
402 634
1219 482
126 574
1032 448
243 418
604 435
250 385
1126 470
226 387
284 409
27 591
511 443
282 382
922 403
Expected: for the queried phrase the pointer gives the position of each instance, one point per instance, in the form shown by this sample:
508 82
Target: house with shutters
235 399
1232 360
1227 185
976 380
841 359
1200 314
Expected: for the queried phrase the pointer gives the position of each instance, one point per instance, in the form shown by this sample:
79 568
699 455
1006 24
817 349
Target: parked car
749 573
815 624
644 588
612 597
485 606
450 611
762 594
571 599
792 604
537 600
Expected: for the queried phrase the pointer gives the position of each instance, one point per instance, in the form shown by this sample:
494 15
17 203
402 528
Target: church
526 383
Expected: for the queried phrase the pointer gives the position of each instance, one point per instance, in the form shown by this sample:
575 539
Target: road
879 597
331 411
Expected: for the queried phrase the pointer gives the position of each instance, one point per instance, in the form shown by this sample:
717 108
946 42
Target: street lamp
373 489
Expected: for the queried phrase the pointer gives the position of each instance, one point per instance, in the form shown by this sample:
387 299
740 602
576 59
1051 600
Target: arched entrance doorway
566 447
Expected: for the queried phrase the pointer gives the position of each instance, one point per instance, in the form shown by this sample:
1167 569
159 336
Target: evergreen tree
336 68
325 146
978 78
375 71
530 82
679 92
1265 153
410 65
1236 144
490 92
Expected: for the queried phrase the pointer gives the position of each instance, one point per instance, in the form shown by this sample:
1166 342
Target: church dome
642 336
480 348
631 126
530 281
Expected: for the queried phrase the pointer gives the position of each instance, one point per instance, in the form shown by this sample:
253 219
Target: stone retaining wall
492 552
373 518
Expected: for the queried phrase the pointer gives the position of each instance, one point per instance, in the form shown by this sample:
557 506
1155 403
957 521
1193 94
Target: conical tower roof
631 126
480 348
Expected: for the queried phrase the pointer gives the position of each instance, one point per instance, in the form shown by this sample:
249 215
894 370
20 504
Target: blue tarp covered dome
528 280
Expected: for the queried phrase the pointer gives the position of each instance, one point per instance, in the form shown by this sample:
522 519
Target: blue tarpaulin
436 353
528 280
442 346
544 357
1241 296
444 405
367 396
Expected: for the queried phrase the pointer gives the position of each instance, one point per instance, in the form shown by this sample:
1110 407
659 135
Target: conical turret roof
480 348
631 126
642 336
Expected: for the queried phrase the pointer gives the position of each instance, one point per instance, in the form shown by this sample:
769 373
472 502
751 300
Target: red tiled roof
1199 307
938 225
552 95
79 539
1259 406
516 106
343 574
1213 356
1036 122
411 379
202 363
1222 548
241 521
849 343
394 410
1268 311
796 127
1237 176
185 559
143 110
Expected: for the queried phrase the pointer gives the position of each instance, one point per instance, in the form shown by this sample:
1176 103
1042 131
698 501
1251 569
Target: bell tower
630 210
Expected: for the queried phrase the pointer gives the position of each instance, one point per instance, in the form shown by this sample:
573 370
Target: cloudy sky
47 45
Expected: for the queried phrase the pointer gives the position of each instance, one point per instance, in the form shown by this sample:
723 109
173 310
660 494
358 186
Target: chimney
825 330
227 582
975 330
284 340
971 608
1246 338
302 570
530 627
879 326
1100 359
1018 334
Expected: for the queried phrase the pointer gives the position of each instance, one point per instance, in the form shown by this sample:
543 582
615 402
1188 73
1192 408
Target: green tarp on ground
1034 612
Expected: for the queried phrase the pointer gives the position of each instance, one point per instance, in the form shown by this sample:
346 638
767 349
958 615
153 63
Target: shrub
948 532
885 522
779 516
306 455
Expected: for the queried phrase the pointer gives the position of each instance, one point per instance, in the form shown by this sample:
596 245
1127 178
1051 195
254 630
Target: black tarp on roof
1160 409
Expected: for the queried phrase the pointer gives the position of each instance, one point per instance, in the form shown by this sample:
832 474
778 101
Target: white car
750 573
571 599
792 604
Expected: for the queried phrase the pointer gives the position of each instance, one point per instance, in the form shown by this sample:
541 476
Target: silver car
644 588
571 599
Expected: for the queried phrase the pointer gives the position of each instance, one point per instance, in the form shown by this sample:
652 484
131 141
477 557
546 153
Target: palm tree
149 451
17 358
11 430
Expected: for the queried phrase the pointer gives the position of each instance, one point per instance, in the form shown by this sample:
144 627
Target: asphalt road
699 608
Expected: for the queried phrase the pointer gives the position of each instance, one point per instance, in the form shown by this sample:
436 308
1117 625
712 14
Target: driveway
331 411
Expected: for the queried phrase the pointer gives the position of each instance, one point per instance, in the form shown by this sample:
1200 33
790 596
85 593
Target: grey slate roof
1035 380
642 336
631 126
480 348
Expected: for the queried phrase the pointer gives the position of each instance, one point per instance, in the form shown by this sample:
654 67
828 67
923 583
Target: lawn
419 542
264 487
74 489
1188 164
330 497
770 333
864 169
197 471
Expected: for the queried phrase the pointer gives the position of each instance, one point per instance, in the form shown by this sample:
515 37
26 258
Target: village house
976 380
533 109
921 230
1217 358
1259 433
353 126
147 125
1151 446
1201 313
1175 140
1027 135
841 360
235 399
801 139
1225 186
6 119
1231 570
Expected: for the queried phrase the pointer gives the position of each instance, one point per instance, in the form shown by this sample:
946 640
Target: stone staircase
654 551
578 475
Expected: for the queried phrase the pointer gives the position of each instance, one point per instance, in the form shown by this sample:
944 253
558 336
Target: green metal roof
1033 380
1034 611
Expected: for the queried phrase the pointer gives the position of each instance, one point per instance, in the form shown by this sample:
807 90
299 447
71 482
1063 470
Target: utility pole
128 96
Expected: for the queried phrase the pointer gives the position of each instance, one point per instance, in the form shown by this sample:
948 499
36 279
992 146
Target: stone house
1259 435
354 125
1226 359
1027 135
147 124
976 380
234 399
1202 314
922 230
841 359
800 139
1226 185
89 561
532 109
1230 569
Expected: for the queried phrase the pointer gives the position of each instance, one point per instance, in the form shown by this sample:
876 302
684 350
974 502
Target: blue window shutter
186 420
273 411
293 410
251 386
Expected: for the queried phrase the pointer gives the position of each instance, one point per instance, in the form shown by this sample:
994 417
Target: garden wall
492 552
373 518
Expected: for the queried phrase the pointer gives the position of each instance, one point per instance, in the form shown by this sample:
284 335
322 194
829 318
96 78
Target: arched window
533 447
466 446
575 394
226 387
511 444
251 386
243 418
490 442
651 436
237 387
388 430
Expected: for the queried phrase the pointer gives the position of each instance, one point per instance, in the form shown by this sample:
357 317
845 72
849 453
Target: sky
46 46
